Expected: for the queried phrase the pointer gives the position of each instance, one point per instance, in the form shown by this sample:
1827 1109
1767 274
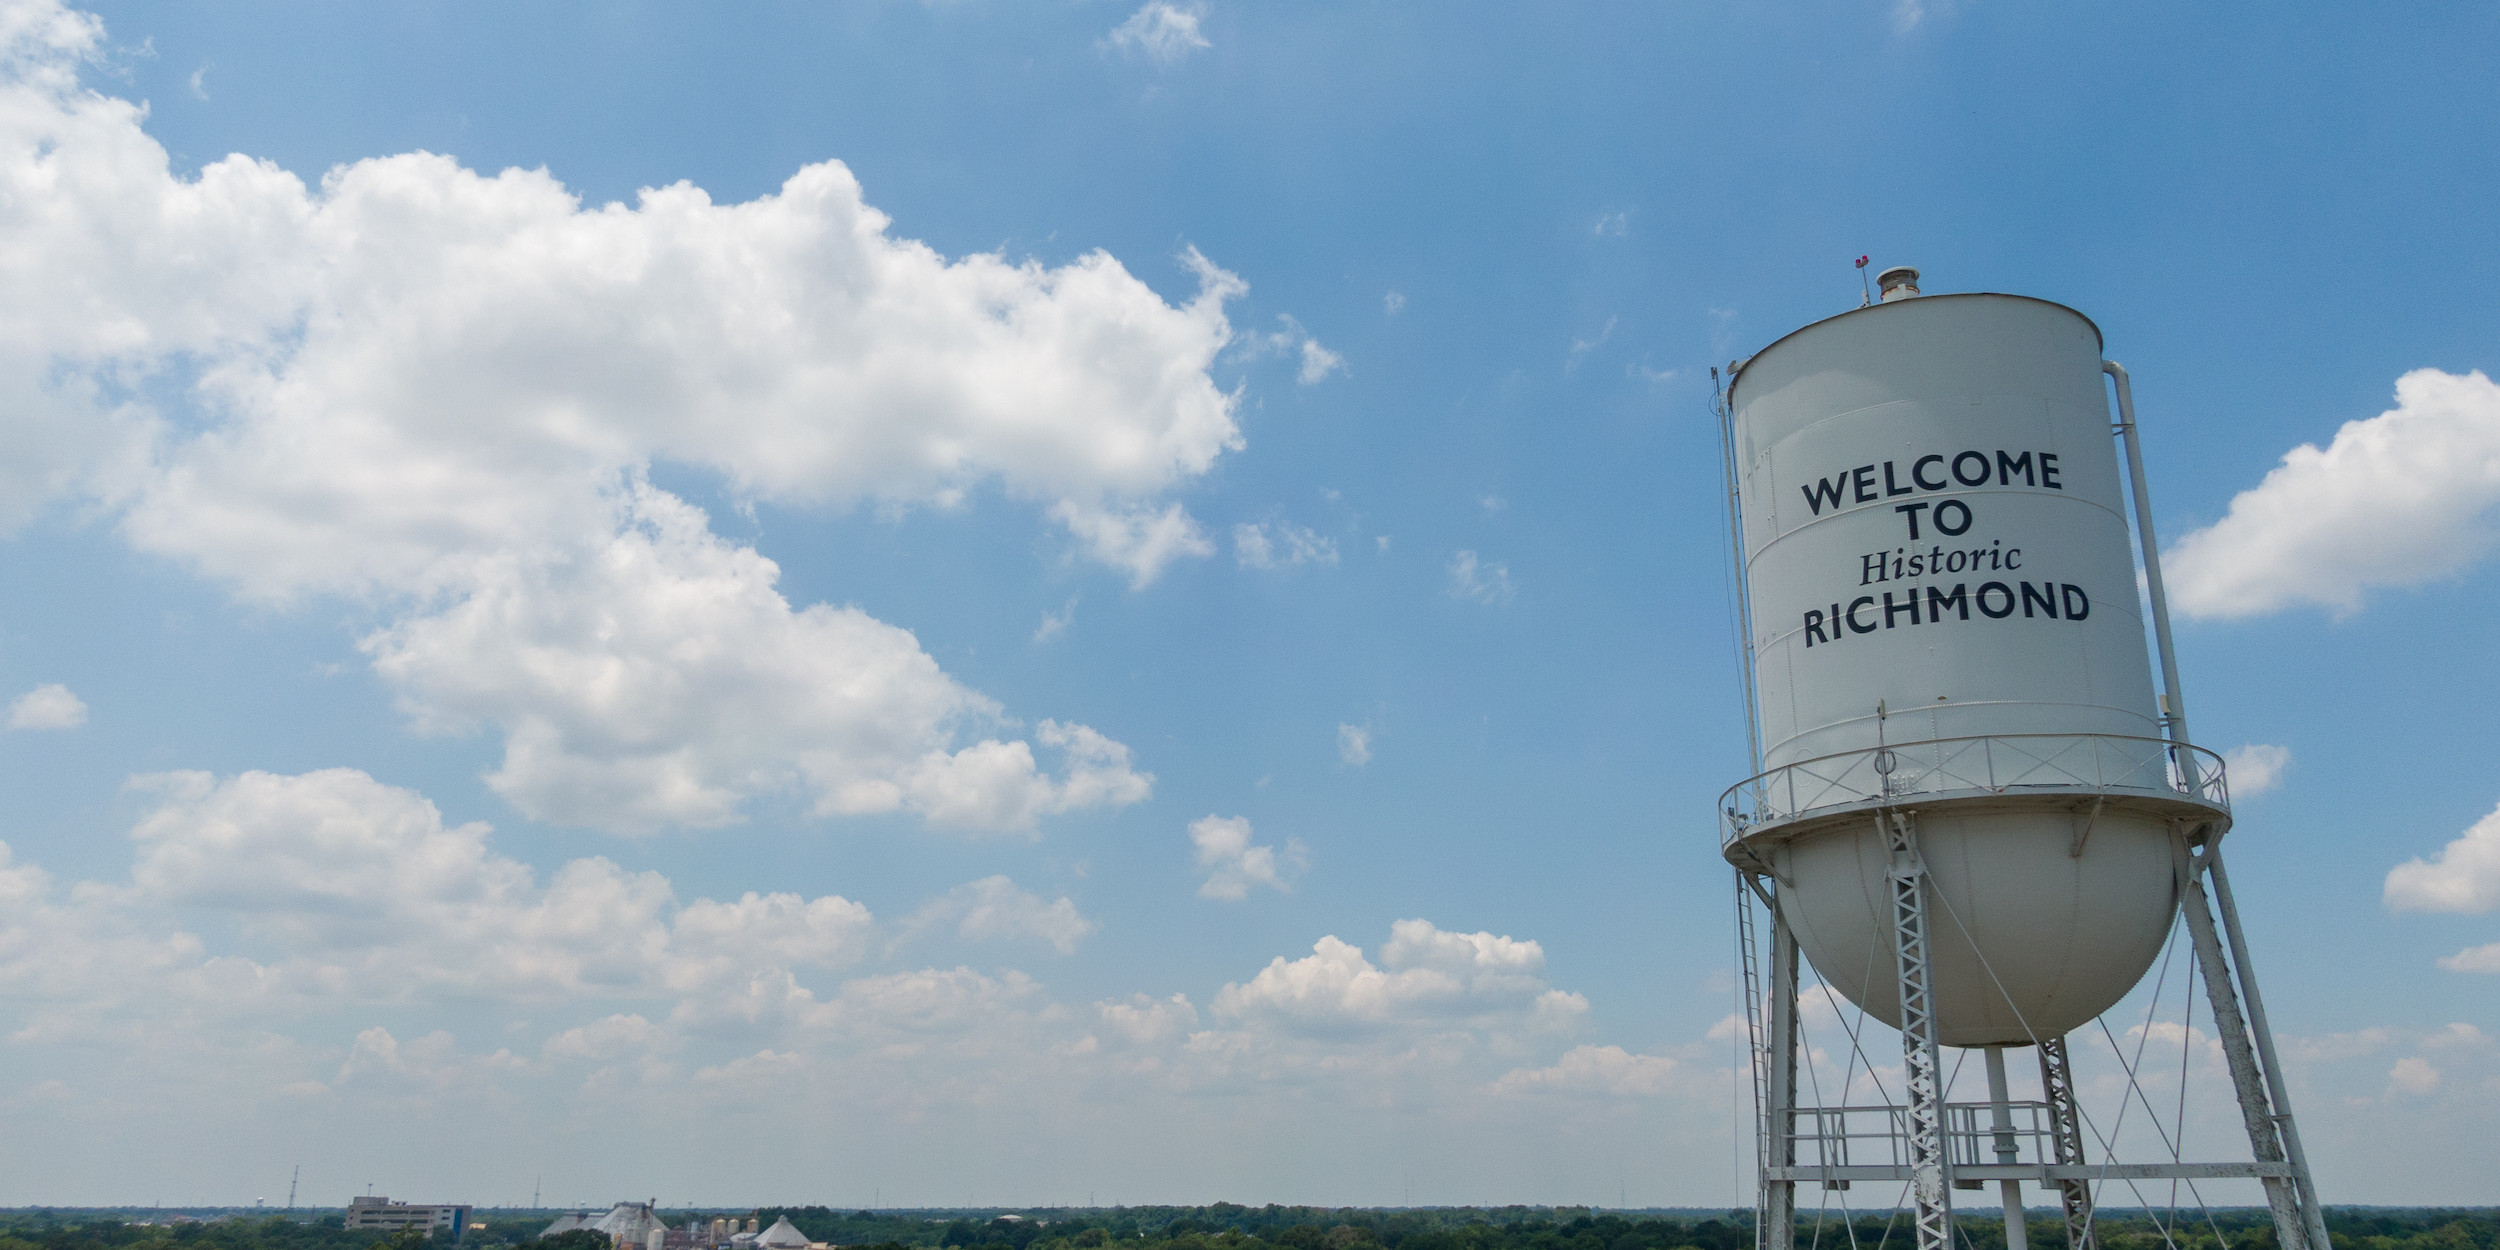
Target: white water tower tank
1945 623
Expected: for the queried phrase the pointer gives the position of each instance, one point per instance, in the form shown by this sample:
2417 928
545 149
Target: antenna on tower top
1866 294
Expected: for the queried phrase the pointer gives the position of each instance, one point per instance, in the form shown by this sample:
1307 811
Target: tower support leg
2057 1088
1774 1060
1780 1205
1773 1106
2307 1186
2009 1193
2265 1140
1930 1184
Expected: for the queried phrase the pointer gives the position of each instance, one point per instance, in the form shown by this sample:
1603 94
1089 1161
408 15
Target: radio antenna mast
290 1186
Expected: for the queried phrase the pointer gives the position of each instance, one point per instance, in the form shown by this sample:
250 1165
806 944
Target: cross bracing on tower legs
1929 1138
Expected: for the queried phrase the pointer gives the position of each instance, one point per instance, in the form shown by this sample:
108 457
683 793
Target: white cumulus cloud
664 681
2457 1035
608 1038
2484 958
1162 31
2400 499
2337 1046
1481 580
2255 768
1607 1071
2413 1075
1425 975
1317 362
1233 865
715 940
2464 877
997 909
1580 348
47 707
1055 623
431 1063
439 393
1146 1020
1281 545
1354 745
511 353
342 889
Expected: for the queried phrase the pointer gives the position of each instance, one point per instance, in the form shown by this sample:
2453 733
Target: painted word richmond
1995 601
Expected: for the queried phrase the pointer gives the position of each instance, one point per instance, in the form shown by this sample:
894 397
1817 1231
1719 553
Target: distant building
628 1226
374 1211
637 1226
719 1233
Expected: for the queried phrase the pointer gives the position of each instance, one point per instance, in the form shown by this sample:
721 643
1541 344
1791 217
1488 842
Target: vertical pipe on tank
2002 1116
1736 562
2174 714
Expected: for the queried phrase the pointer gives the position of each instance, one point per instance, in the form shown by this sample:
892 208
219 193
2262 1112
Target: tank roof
1737 368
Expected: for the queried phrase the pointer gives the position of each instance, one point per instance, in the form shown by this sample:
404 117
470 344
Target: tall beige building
375 1211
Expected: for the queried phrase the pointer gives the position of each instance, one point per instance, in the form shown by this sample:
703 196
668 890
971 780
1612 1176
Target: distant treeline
1227 1226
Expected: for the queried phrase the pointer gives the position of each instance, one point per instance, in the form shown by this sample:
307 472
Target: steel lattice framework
1929 1190
2057 1085
1935 1145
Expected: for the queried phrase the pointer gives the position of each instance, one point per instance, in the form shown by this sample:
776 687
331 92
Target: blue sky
1235 701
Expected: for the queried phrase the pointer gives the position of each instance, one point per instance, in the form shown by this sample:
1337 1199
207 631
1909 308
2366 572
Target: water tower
1971 811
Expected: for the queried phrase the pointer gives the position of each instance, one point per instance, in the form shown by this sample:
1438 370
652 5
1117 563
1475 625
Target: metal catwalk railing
1843 1136
1985 764
1837 1145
